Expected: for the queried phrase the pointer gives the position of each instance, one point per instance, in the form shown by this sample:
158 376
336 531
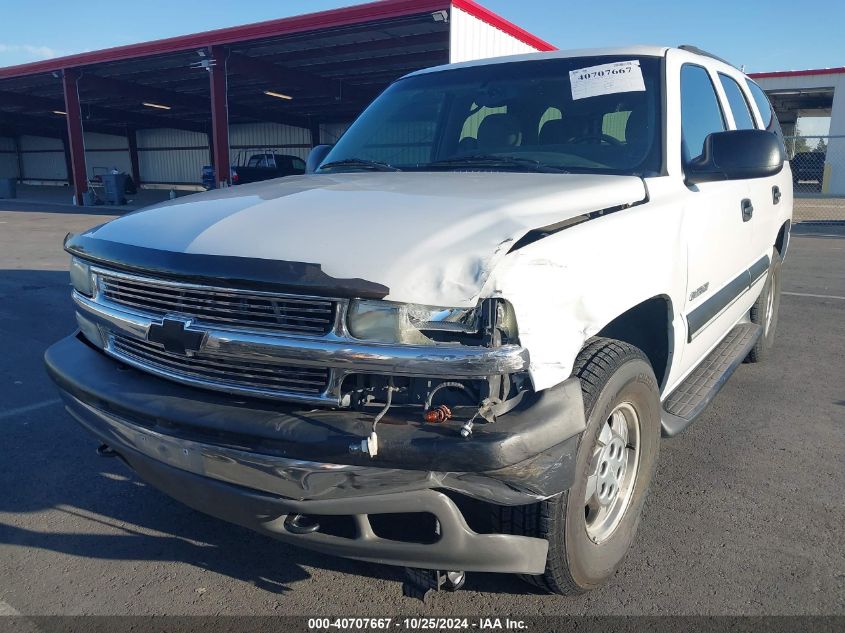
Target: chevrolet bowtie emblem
176 336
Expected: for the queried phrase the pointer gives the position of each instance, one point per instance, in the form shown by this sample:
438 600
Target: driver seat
562 131
499 131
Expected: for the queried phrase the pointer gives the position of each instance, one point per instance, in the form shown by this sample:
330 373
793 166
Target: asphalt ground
745 515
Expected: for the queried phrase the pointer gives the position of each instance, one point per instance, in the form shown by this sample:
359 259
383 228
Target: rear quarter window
738 103
770 121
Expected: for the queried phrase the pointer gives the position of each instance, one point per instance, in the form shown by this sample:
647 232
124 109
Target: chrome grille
220 307
221 372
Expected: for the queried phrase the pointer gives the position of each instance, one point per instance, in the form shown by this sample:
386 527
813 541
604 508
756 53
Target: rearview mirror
317 156
737 155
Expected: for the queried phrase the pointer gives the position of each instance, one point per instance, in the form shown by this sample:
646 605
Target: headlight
386 322
81 278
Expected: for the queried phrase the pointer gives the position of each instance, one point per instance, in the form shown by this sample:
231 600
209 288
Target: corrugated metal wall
104 152
8 158
282 139
472 38
43 158
165 156
330 133
172 156
177 156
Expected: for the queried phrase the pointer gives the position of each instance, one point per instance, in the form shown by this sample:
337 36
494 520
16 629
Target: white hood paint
432 238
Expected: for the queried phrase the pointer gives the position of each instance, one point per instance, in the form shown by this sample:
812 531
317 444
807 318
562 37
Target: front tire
591 526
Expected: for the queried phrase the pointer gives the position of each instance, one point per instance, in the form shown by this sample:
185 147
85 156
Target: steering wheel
593 137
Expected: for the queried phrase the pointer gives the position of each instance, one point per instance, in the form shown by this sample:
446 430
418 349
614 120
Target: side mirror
737 155
317 156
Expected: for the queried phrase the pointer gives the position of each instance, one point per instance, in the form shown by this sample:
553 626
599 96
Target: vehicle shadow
56 494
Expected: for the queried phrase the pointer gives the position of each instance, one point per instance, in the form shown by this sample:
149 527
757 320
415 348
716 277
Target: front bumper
459 547
254 462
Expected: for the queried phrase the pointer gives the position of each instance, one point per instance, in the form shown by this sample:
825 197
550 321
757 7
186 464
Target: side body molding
703 315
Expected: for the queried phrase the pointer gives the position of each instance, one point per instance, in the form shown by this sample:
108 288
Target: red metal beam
219 115
798 73
76 145
68 163
348 16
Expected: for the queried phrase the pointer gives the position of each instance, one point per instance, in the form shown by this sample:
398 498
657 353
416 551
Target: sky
759 35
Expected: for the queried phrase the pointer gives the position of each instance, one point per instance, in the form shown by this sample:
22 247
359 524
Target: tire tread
593 367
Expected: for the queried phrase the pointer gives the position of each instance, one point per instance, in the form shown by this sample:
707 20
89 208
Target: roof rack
699 51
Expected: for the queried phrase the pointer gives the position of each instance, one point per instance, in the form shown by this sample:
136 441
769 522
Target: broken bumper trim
206 478
279 462
459 548
529 443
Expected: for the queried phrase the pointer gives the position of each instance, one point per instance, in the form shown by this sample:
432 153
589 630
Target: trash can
89 199
114 187
8 188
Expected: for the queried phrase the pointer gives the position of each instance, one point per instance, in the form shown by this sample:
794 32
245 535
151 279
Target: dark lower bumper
459 547
541 424
254 463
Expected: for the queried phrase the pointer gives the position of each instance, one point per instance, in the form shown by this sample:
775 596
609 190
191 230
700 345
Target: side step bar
691 397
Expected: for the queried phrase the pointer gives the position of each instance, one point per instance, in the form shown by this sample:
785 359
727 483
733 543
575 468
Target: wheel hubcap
613 470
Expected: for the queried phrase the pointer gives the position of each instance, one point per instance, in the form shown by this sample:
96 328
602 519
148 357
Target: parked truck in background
257 167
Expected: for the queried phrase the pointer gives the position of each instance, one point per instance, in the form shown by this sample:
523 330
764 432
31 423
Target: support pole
76 144
314 125
219 115
19 156
132 138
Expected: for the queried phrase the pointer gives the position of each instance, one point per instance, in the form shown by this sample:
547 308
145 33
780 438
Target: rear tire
589 534
765 311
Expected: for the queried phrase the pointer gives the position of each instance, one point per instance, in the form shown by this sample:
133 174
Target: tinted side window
739 106
770 121
701 113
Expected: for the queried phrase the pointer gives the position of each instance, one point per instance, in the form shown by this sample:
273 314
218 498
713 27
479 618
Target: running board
691 397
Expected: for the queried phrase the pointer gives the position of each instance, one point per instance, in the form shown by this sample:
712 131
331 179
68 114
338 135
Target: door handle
776 194
747 210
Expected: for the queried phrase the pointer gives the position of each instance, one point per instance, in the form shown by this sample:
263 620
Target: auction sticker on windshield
606 79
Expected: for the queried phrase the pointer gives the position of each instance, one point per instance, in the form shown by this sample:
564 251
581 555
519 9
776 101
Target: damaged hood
430 238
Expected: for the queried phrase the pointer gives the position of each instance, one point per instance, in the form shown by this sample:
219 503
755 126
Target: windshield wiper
361 162
491 160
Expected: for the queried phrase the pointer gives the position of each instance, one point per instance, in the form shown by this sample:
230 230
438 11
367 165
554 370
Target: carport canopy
302 71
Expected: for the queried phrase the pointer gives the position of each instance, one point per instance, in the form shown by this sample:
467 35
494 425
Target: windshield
579 115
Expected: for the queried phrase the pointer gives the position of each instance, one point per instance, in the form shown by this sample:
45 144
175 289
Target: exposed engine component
369 446
443 385
438 415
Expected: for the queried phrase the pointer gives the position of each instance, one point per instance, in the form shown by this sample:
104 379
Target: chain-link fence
818 177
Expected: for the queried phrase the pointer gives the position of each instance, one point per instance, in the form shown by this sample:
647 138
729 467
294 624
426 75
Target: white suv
496 292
